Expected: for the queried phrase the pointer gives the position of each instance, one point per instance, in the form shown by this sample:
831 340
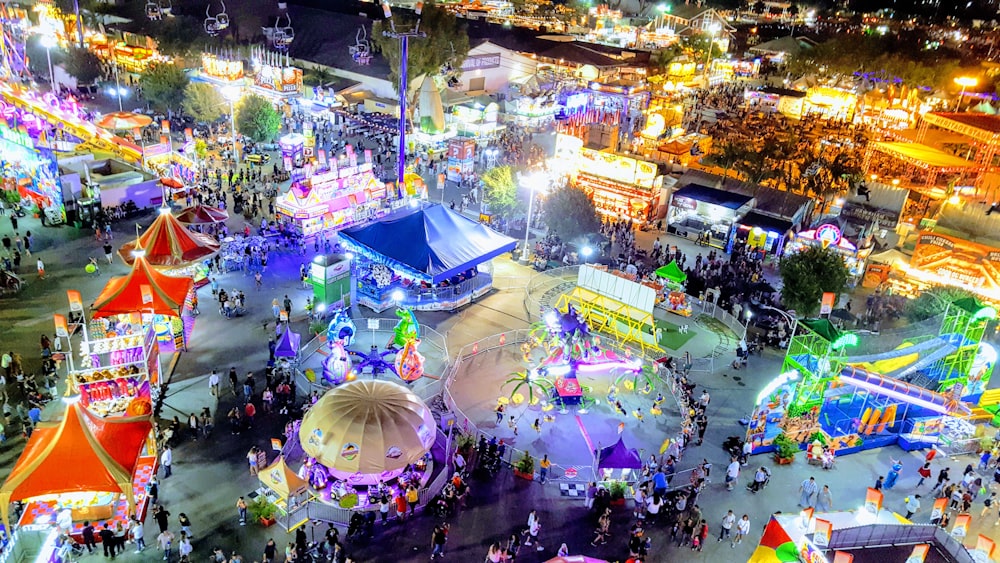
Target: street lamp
712 31
118 87
49 41
532 181
662 9
233 93
964 82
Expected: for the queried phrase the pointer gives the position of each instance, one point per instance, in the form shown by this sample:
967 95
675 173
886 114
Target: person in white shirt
213 384
166 459
732 473
727 525
742 529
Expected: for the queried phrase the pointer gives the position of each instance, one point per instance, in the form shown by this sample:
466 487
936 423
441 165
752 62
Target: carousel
364 439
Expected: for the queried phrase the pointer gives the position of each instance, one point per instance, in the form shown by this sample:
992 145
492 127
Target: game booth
111 461
706 213
284 490
439 268
346 194
830 236
620 186
170 246
917 395
364 436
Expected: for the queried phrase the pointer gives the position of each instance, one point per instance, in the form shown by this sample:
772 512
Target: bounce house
917 395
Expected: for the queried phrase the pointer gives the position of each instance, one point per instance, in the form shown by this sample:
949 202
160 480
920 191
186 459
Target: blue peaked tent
618 456
431 244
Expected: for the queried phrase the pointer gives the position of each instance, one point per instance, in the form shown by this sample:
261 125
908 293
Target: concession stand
620 186
940 258
699 211
830 236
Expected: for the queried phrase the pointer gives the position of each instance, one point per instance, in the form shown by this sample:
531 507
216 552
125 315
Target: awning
766 222
923 155
672 272
713 196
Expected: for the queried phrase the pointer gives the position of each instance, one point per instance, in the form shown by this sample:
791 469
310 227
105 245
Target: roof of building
766 222
787 44
775 202
326 38
688 11
722 198
580 54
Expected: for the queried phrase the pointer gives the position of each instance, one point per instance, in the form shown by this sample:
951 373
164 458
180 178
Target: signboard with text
951 259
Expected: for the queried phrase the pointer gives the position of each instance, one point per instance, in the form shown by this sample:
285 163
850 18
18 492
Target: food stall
947 259
284 490
346 194
111 460
476 120
292 148
461 158
697 211
274 77
829 236
620 186
533 113
221 69
131 52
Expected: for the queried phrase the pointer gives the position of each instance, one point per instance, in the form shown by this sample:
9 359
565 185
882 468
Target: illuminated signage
16 137
476 62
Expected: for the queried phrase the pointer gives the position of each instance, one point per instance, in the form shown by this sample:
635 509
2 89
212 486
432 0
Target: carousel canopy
672 272
81 453
168 243
281 479
440 243
367 427
143 289
288 344
120 120
202 215
618 456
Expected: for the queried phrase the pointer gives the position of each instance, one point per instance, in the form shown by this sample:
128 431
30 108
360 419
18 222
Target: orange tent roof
124 294
81 453
168 243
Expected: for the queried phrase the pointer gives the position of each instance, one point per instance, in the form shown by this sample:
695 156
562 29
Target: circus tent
102 455
202 215
143 290
168 243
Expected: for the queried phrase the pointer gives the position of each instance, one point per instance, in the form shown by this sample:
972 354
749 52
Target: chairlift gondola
282 37
168 9
361 50
153 11
217 23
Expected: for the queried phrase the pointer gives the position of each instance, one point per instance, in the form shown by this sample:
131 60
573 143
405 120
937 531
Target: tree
570 213
82 65
933 301
446 43
500 190
203 102
808 274
256 118
163 85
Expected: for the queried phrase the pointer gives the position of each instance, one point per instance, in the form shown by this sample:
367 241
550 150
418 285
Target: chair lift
361 50
153 11
222 18
211 23
168 9
283 36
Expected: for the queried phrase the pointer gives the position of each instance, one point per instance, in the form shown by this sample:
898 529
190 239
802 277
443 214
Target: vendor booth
619 457
829 236
438 268
940 258
83 467
707 214
364 435
346 194
620 186
284 490
764 233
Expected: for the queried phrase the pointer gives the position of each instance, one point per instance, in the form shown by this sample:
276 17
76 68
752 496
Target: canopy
168 243
776 546
120 120
281 479
823 328
202 215
288 344
618 456
81 453
672 272
439 242
923 156
367 427
142 290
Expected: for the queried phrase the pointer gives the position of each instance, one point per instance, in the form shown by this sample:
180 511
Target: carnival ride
218 23
13 30
401 355
912 395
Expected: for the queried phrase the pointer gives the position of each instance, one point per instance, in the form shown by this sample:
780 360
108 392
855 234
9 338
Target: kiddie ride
921 394
401 355
569 349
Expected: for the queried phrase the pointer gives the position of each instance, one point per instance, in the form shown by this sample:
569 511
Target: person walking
913 505
185 525
727 525
88 537
184 548
107 252
534 526
107 540
165 540
213 384
732 473
241 508
924 472
742 529
166 459
438 538
162 518
138 535
544 465
41 269
824 500
807 489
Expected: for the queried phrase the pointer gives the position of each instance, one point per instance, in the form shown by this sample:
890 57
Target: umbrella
124 120
763 287
172 183
575 559
842 314
202 215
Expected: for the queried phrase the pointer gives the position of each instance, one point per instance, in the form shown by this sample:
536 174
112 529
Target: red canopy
168 243
164 294
81 453
202 215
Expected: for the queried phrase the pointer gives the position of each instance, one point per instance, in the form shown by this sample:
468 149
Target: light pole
532 182
712 30
49 41
404 48
964 82
118 87
232 93
661 9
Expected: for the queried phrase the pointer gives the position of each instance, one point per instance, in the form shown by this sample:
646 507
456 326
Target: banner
842 557
986 546
821 537
952 259
75 300
147 293
826 305
938 509
61 329
918 554
873 500
961 527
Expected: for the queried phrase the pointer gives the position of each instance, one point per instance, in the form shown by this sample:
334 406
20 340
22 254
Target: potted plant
617 491
318 328
525 467
263 511
785 449
465 443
